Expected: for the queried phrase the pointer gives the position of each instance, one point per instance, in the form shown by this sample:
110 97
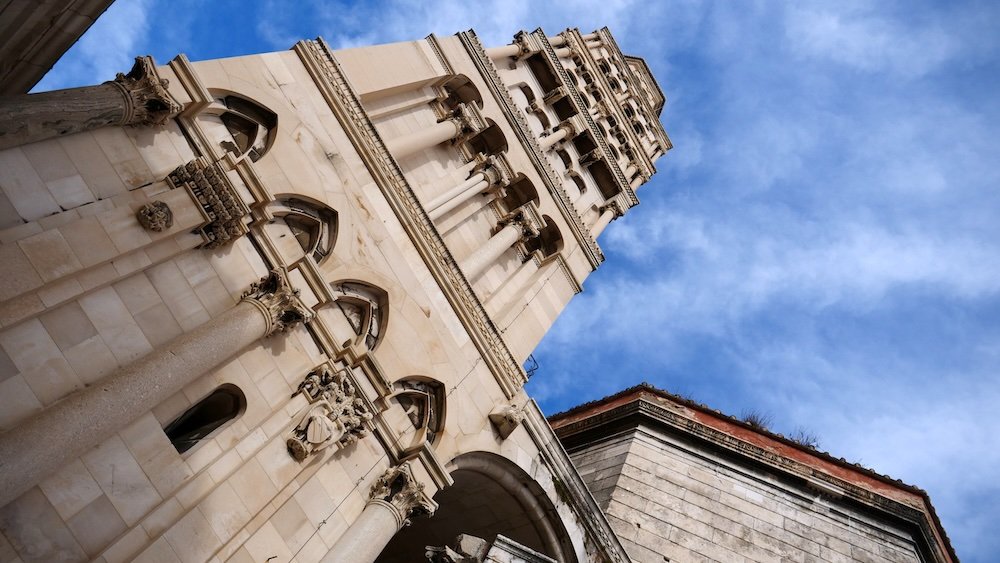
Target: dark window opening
584 143
539 66
564 109
204 417
250 126
314 227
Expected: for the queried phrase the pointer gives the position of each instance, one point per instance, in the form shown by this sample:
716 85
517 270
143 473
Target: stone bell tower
275 307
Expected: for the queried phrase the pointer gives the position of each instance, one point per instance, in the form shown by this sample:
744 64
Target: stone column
138 98
607 216
564 52
549 140
395 498
47 441
497 53
402 147
458 195
630 170
494 248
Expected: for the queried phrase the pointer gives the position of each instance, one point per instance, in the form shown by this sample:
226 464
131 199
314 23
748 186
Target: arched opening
519 192
365 310
250 125
424 404
565 158
549 240
489 140
581 186
461 90
205 417
491 496
313 225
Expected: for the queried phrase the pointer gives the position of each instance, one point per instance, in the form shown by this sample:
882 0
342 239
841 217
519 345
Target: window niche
250 125
423 402
364 308
313 225
219 408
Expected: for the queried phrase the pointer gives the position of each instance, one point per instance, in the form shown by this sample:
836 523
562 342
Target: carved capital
398 488
147 101
155 216
337 415
278 301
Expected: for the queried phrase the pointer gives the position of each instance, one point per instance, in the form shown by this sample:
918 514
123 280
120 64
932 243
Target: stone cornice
535 153
319 61
570 484
813 478
581 108
576 42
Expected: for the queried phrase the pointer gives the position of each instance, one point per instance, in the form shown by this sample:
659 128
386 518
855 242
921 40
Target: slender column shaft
468 167
557 40
631 169
554 138
404 146
591 36
67 429
637 181
365 539
503 52
564 52
137 98
457 196
603 221
492 250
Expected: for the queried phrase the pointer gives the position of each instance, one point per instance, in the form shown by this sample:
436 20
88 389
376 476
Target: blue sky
821 245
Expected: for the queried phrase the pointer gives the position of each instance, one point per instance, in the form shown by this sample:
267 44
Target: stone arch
489 140
313 224
251 125
460 90
519 192
365 311
491 496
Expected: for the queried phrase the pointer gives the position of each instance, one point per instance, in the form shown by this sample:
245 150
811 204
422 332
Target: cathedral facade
276 307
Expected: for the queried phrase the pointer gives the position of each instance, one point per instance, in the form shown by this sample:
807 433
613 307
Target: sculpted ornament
465 549
398 488
147 101
336 416
155 216
507 419
278 301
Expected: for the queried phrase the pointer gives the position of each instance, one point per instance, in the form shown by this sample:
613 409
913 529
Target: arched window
461 90
313 225
250 125
566 160
549 240
205 417
365 308
580 185
423 403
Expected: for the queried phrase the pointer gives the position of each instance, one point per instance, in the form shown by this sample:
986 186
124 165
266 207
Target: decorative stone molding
147 101
155 216
506 420
337 415
278 301
209 185
399 489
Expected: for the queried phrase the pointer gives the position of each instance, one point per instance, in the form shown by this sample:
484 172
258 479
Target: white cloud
109 47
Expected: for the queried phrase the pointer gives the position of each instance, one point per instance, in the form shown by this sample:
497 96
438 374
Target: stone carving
278 301
147 101
465 549
155 216
507 419
398 488
337 415
211 187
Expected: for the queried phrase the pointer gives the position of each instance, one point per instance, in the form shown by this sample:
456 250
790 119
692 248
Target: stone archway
491 496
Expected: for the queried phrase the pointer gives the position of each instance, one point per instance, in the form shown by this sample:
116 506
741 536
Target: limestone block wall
667 498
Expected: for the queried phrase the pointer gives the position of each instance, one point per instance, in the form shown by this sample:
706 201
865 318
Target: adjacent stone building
681 482
275 307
